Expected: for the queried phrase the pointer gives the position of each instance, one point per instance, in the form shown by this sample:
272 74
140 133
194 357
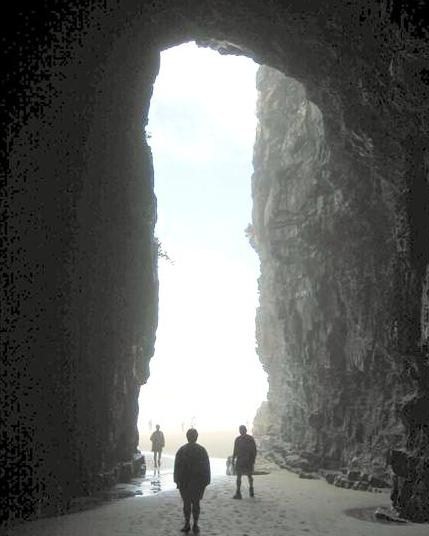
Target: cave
339 222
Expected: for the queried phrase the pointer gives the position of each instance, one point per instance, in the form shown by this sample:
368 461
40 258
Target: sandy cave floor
283 504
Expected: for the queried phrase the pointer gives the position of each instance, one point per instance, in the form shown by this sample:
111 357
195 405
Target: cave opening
205 371
342 326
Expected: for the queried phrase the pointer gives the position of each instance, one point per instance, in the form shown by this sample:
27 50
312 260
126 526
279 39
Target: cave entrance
205 372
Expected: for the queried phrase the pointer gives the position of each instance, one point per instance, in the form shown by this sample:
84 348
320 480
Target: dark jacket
192 467
244 452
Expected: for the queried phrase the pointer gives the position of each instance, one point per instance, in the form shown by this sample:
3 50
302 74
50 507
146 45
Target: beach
284 504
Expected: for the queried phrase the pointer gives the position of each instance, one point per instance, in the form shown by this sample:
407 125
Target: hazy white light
202 127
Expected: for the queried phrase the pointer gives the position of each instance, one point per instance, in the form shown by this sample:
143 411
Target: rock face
340 223
81 300
324 325
326 231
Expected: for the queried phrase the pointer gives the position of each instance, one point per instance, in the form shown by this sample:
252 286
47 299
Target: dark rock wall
338 324
81 294
80 278
324 229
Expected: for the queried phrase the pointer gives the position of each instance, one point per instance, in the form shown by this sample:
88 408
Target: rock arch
81 285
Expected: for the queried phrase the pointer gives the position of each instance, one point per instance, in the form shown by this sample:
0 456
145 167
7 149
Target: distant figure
158 443
243 459
150 425
192 475
230 469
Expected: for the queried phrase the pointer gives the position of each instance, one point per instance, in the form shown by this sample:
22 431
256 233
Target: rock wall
335 332
323 303
81 293
80 285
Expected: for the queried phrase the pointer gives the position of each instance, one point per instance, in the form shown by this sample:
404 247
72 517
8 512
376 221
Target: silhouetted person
158 443
192 475
243 458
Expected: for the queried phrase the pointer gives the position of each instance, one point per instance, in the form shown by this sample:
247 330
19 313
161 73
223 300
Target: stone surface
340 224
389 515
327 334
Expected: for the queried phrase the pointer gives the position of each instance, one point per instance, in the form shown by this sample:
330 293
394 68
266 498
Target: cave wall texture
330 327
340 219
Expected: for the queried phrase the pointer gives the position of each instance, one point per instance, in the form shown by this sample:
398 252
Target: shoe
237 495
195 528
186 528
251 492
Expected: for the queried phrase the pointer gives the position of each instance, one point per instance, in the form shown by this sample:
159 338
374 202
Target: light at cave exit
201 130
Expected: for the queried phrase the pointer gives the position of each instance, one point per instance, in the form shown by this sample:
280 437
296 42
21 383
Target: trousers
191 502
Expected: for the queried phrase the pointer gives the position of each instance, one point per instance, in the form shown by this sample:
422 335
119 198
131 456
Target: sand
283 505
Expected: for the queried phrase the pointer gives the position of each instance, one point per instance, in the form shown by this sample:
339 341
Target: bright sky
202 126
